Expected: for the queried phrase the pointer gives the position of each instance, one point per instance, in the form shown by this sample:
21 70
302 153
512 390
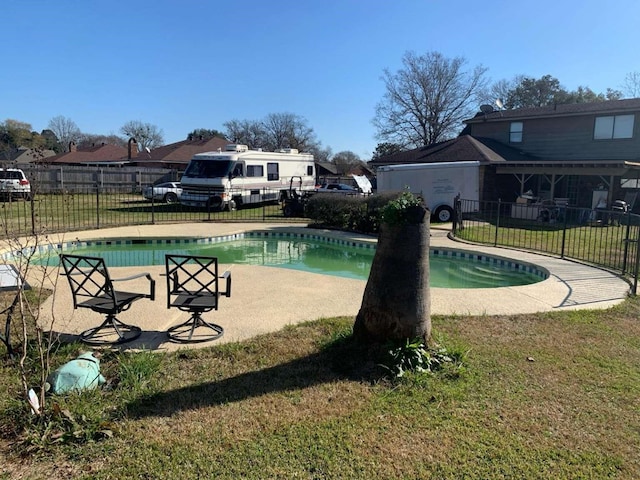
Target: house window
613 127
272 171
515 132
255 171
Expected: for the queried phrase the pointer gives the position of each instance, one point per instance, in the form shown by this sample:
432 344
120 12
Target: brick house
104 154
174 156
571 151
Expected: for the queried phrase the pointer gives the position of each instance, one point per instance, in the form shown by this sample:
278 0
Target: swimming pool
449 268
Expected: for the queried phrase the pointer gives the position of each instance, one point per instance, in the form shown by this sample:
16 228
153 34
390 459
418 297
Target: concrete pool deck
266 299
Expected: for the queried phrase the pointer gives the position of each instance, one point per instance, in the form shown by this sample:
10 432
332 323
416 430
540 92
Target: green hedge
345 212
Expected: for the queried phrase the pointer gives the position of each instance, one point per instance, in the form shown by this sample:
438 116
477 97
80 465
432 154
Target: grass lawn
553 395
604 245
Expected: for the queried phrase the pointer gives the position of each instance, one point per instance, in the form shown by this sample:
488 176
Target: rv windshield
208 168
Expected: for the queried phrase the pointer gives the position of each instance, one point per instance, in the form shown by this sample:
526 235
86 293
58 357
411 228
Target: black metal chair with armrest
92 287
193 285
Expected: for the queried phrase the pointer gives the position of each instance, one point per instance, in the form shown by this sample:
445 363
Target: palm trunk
396 301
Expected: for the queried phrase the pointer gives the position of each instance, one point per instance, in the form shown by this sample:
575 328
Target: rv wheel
443 214
214 203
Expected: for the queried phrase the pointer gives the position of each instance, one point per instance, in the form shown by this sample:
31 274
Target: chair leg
104 334
184 332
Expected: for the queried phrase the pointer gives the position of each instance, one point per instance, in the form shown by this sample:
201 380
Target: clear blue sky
186 64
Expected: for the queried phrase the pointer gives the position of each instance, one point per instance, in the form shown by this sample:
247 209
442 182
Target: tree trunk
396 301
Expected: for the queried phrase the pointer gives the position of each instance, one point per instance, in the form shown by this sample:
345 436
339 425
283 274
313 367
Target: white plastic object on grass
34 402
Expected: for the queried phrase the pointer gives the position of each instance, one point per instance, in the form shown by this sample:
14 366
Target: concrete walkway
266 299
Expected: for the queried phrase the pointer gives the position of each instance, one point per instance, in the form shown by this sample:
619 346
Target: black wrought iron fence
100 207
605 238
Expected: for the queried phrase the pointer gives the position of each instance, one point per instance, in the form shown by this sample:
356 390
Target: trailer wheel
443 214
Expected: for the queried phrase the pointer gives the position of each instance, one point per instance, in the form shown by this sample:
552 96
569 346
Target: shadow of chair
193 285
92 287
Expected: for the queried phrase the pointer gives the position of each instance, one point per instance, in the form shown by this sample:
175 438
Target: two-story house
573 151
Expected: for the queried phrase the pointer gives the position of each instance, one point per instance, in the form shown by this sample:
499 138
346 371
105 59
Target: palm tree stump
396 301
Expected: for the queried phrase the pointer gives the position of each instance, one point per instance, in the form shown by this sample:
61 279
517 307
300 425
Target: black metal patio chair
92 287
193 285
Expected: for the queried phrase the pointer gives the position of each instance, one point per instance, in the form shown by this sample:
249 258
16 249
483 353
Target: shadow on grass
146 207
148 340
342 359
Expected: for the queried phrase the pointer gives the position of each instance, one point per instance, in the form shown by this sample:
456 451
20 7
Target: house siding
563 138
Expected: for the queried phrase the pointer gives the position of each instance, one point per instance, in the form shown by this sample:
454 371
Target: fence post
634 289
97 205
456 203
564 232
495 239
626 242
153 210
264 204
33 215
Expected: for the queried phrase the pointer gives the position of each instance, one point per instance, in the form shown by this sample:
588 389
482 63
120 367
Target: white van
239 176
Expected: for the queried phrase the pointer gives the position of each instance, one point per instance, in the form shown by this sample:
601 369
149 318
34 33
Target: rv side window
255 171
310 170
272 171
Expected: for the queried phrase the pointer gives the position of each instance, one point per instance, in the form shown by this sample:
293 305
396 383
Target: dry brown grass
543 396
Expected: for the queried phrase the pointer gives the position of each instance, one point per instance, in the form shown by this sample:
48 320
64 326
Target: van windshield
208 168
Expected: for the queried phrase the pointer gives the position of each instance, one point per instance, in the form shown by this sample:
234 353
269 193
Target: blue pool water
448 268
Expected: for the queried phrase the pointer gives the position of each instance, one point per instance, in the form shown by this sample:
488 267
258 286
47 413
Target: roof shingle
461 149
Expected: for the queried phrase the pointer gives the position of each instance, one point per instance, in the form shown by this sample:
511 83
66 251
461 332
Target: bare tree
345 161
65 130
427 100
320 154
631 85
245 132
498 93
287 130
146 134
276 131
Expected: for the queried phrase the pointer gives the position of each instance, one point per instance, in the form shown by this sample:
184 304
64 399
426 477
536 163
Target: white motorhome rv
239 176
438 183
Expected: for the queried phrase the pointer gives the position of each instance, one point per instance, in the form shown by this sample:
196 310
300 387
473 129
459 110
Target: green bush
353 213
416 357
402 209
